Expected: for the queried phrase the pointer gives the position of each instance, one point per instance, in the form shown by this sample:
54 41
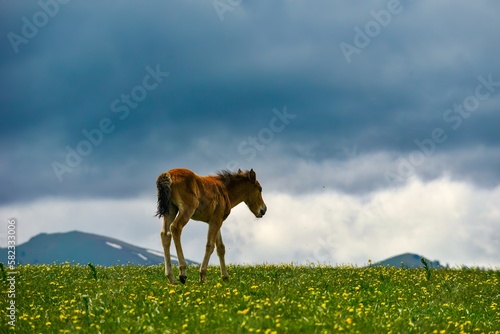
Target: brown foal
183 195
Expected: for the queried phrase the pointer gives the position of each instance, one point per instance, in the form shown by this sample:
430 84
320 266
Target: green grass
260 299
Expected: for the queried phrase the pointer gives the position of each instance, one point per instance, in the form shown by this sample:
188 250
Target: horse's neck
236 193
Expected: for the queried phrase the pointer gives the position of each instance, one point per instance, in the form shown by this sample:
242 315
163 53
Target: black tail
163 184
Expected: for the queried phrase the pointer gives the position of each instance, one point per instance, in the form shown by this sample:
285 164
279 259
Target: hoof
183 279
171 279
202 277
225 278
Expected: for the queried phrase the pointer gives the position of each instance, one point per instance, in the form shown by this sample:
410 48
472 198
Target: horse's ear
239 171
252 176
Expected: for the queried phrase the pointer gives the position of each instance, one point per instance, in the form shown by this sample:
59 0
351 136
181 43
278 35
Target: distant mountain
81 248
408 260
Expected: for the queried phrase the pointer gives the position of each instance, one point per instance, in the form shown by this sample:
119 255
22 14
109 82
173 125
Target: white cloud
446 220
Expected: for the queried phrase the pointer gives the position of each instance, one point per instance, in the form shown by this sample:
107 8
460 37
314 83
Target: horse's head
254 199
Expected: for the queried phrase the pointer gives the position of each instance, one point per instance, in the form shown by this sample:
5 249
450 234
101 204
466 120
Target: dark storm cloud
224 80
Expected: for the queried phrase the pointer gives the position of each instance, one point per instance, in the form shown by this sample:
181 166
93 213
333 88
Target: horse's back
187 178
206 191
180 174
185 184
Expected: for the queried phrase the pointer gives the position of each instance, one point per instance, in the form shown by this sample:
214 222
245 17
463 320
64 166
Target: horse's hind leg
221 251
166 238
176 228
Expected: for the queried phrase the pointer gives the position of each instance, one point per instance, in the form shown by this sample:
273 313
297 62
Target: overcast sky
373 127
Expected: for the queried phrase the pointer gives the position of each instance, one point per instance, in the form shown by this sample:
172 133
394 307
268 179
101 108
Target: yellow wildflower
245 311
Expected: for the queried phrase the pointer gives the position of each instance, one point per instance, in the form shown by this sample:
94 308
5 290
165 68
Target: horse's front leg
213 230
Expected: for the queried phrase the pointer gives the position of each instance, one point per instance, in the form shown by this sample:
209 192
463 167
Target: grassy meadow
258 299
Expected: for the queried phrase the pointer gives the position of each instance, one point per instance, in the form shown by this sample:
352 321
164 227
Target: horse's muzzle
262 211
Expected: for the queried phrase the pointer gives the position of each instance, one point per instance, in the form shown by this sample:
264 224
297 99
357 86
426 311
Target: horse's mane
227 175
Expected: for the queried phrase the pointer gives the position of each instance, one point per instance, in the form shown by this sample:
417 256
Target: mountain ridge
408 260
78 247
81 248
